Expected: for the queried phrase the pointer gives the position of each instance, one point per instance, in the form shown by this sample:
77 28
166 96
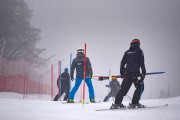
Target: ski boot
92 100
56 98
70 101
117 106
138 105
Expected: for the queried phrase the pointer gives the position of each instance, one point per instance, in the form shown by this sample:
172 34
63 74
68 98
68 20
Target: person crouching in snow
115 87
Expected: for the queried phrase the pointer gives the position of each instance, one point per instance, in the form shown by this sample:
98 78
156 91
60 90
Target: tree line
17 36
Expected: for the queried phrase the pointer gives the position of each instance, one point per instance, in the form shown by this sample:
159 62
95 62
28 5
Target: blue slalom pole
70 71
152 73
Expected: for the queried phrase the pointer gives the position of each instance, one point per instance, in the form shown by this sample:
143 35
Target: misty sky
108 26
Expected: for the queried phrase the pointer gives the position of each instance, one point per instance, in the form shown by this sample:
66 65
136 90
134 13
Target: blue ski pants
78 83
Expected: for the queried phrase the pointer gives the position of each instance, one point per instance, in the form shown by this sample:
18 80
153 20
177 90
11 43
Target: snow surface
13 107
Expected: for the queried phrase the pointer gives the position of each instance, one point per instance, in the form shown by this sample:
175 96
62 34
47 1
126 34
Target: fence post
51 81
24 92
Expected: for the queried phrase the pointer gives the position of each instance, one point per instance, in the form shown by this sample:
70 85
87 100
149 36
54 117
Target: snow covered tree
17 36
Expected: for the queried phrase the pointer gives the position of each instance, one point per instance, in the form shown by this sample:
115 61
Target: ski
158 106
93 102
108 109
81 102
130 108
70 103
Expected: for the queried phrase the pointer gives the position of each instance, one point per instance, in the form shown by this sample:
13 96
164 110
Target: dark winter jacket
64 81
132 61
78 63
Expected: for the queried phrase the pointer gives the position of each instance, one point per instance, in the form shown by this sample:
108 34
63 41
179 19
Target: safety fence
22 84
23 77
26 78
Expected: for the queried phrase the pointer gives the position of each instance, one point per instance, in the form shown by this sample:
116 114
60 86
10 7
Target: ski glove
123 72
72 78
122 75
91 76
141 78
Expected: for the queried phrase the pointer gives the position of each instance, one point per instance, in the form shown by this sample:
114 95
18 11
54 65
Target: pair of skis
132 108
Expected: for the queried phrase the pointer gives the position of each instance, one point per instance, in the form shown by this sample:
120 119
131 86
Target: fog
107 27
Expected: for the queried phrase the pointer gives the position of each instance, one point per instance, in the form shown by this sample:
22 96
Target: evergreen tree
17 36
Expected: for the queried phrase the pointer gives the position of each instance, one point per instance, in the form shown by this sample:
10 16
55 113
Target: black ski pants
125 86
59 95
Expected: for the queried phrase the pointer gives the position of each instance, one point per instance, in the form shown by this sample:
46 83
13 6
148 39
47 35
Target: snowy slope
15 108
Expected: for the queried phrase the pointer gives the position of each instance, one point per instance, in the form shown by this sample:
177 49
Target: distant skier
115 87
78 64
131 63
64 85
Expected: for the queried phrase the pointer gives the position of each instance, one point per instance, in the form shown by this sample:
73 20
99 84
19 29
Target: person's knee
140 88
89 83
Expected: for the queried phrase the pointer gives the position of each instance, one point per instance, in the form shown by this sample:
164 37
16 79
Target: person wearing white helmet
78 64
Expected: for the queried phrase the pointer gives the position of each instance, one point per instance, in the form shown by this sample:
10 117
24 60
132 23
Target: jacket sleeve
123 63
68 77
72 68
67 80
58 81
89 67
142 65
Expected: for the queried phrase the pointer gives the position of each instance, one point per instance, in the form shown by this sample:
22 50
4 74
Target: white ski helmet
80 50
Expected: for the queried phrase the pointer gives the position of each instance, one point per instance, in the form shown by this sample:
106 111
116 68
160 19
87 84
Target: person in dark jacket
115 87
78 64
64 88
131 63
